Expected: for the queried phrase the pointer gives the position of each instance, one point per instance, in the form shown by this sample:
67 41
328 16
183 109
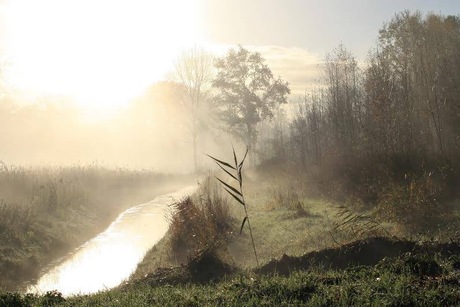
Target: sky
102 53
295 35
317 26
99 55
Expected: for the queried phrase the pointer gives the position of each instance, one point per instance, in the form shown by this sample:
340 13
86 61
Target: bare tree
194 69
343 93
420 57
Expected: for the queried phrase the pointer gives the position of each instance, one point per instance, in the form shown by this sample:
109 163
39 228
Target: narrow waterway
108 259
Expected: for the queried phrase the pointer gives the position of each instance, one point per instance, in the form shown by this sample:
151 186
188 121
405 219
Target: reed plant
235 172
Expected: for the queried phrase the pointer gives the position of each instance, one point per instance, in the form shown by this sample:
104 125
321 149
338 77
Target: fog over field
149 133
233 152
82 93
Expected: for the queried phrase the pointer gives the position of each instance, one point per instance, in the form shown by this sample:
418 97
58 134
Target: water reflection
108 259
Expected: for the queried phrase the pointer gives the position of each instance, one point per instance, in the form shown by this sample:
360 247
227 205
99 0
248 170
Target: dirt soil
204 268
368 252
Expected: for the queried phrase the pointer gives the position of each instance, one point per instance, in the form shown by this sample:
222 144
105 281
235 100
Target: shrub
202 223
413 204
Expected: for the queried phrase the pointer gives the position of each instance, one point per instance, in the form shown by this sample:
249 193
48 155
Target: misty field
346 192
47 212
203 260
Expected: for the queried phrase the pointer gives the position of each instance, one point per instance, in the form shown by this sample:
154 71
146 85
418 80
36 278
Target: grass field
410 280
286 220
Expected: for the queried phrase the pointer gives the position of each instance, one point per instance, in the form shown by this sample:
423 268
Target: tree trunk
195 158
251 145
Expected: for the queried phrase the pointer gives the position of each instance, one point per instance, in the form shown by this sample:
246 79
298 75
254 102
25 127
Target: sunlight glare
102 53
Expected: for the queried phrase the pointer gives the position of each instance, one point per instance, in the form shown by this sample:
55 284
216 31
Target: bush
202 223
413 204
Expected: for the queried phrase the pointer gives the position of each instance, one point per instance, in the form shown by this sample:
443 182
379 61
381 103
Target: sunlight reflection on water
108 259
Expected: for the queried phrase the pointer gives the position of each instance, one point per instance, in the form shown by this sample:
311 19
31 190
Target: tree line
404 104
393 119
394 115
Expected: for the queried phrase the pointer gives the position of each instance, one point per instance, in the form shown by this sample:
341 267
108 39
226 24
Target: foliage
366 128
415 204
247 93
412 83
403 103
353 225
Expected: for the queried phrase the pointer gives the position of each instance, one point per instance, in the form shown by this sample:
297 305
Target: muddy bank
368 252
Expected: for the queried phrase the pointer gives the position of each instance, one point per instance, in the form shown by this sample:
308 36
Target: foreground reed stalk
237 194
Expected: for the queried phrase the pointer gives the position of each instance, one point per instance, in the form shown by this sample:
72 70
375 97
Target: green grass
387 284
278 229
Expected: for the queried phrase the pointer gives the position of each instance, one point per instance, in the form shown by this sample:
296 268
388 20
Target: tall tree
194 69
420 56
247 93
344 98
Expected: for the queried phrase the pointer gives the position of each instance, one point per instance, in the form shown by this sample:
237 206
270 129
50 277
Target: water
108 259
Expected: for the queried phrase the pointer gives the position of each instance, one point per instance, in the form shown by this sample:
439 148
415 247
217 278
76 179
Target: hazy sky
318 26
102 52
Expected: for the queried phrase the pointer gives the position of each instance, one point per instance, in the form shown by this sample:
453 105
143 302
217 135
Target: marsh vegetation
47 212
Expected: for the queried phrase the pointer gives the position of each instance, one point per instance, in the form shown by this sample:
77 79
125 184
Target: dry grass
200 224
46 212
414 204
288 197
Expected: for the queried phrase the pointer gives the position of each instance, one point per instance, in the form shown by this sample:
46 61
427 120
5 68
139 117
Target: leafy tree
247 93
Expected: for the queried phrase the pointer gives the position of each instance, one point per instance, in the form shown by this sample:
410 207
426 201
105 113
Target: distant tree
418 63
343 97
194 70
273 136
308 130
247 93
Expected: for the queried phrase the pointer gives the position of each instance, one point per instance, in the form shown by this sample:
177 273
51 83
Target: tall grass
200 224
289 198
235 172
45 212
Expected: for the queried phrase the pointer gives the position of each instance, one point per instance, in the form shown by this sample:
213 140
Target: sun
100 52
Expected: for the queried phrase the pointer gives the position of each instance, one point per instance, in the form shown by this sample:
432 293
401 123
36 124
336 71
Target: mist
229 169
152 131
